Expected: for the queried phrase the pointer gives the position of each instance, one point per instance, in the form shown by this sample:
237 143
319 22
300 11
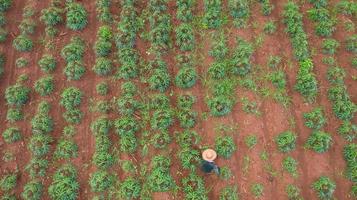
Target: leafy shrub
103 159
103 106
225 173
350 156
103 66
76 16
160 180
127 104
126 126
306 83
47 63
22 43
212 17
241 64
324 187
5 5
257 190
315 119
3 20
71 97
73 116
64 184
66 149
51 16
8 182
225 146
14 114
161 139
158 101
319 141
293 192
161 119
353 62
286 141
44 86
159 80
185 101
11 135
219 49
229 193
329 46
290 165
73 51
39 144
42 123
351 43
278 78
218 70
220 105
128 70
348 130
32 190
187 118
194 187
27 26
130 188
102 47
17 94
186 77
102 88
189 157
101 126
335 75
185 38
105 33
37 167
74 70
128 143
100 181
21 62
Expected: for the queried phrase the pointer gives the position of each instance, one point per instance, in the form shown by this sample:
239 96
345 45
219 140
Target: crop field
117 99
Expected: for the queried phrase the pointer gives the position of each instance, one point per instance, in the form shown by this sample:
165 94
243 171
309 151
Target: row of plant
306 83
4 7
213 16
321 15
240 11
8 182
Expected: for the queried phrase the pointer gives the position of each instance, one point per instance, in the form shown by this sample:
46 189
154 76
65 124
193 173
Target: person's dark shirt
207 167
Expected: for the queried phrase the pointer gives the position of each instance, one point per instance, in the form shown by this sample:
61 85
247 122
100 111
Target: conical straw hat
209 155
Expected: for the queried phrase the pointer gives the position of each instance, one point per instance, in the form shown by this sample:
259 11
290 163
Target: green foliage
335 75
17 94
315 119
185 38
8 182
11 135
306 83
351 43
2 62
102 88
184 10
212 17
241 63
44 86
251 141
274 61
270 27
37 167
3 34
319 141
51 16
42 123
27 26
160 180
290 165
8 197
286 141
14 115
329 46
187 138
293 192
278 78
353 62
73 116
185 101
76 16
130 188
218 70
157 101
22 43
64 184
66 149
126 126
73 51
325 23
225 146
257 190
324 188
102 47
348 130
127 104
160 139
187 118
101 126
5 5
189 157
350 156
33 190
162 119
219 48
47 63
39 144
343 107
21 62
229 193
103 66
100 181
71 97
74 70
194 187
159 80
225 173
103 159
128 143
220 105
3 20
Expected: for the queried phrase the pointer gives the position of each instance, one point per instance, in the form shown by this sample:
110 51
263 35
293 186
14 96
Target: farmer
208 156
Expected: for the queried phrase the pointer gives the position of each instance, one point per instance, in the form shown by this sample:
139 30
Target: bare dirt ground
273 120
